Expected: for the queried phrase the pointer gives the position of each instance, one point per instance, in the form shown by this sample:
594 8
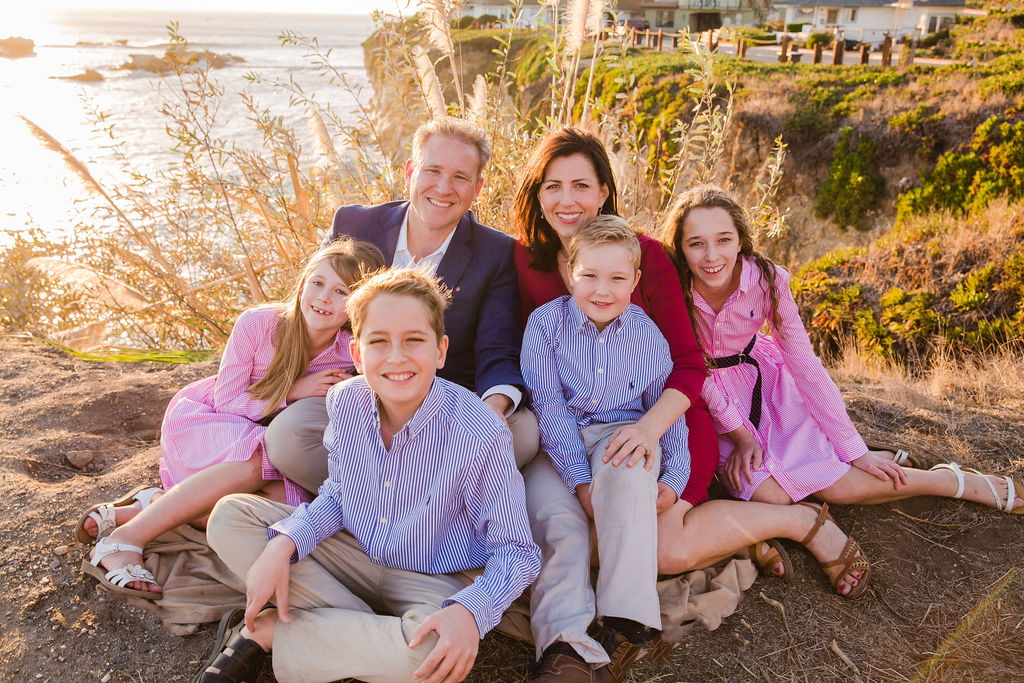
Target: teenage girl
797 439
212 433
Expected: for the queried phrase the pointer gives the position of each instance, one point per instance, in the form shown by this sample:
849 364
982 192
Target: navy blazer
482 322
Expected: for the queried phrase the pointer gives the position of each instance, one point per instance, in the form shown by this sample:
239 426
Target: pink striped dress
806 436
215 420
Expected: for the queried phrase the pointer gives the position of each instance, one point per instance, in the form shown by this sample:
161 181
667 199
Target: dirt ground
946 600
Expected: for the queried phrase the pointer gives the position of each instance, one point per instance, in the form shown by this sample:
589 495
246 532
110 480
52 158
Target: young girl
212 433
799 441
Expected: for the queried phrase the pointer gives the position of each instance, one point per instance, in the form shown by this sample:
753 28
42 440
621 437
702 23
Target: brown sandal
773 554
850 560
235 659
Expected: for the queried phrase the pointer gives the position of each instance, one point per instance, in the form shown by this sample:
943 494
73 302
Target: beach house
869 21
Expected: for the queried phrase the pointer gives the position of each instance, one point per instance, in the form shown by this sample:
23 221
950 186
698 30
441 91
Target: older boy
593 362
422 489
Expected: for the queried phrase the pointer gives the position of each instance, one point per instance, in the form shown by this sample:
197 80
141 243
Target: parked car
639 23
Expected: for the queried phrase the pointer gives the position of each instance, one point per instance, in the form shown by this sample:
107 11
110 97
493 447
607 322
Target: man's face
442 183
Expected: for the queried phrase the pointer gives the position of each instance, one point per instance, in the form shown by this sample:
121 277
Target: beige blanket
199 588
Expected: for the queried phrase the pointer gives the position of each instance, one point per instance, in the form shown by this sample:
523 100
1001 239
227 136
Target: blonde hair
605 230
714 197
351 261
399 282
456 129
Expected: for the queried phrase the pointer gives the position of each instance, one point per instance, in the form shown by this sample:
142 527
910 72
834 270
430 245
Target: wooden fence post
818 50
865 53
887 51
784 49
837 50
660 36
741 48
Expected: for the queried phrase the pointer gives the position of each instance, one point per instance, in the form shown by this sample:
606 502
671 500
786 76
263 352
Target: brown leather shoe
556 665
621 652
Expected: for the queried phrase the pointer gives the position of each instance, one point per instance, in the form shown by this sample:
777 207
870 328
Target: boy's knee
223 519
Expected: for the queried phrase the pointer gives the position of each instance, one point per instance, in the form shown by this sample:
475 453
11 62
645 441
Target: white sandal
116 580
104 514
1012 489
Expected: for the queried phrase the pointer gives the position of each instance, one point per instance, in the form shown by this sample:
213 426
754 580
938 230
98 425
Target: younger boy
593 362
422 488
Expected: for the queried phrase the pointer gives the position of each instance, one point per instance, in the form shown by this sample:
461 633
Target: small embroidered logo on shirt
751 313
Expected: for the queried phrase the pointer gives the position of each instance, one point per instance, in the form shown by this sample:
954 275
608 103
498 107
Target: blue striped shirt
446 497
579 376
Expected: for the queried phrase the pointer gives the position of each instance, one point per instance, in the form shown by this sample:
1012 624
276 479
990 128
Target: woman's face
711 246
570 195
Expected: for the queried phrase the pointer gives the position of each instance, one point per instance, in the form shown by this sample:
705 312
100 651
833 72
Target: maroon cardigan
660 295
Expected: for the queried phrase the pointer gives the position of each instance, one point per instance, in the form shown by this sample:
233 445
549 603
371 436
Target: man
435 231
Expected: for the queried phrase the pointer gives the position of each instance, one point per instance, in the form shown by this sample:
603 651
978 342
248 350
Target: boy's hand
632 442
666 497
458 640
745 457
268 578
316 383
583 493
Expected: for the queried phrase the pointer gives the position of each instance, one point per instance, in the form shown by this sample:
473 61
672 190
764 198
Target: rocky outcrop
175 59
12 48
87 76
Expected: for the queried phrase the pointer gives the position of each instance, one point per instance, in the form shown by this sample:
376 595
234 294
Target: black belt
738 359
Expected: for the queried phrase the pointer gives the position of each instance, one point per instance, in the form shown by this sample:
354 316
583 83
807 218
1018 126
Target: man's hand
745 458
633 442
268 578
583 493
878 465
316 383
458 640
666 497
500 404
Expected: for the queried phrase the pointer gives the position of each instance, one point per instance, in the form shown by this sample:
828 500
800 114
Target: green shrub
824 39
852 186
795 28
914 120
972 293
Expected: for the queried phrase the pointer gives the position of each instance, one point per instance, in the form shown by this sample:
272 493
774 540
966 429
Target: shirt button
601 340
383 520
600 370
593 401
377 560
387 484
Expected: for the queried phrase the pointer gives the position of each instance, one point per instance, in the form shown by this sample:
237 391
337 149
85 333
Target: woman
567 181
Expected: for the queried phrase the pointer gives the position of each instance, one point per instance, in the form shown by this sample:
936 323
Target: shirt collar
430 407
580 321
402 246
749 274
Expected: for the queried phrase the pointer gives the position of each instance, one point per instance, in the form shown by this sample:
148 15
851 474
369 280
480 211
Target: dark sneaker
561 663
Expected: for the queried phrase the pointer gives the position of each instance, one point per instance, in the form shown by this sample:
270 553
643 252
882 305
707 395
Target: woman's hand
745 457
316 383
632 443
878 465
268 578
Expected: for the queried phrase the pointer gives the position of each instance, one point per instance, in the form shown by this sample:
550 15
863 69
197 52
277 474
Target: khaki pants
350 618
295 441
563 602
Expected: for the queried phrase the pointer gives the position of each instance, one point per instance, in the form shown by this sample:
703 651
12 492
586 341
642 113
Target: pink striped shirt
804 431
215 419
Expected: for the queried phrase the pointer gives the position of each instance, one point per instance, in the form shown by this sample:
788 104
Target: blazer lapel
390 226
458 255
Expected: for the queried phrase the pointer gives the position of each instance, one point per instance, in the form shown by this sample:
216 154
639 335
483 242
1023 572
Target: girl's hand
268 578
878 465
633 442
316 383
745 458
666 497
583 493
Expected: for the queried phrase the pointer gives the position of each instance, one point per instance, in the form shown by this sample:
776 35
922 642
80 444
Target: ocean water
35 189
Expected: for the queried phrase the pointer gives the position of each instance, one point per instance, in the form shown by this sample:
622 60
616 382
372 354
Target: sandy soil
946 601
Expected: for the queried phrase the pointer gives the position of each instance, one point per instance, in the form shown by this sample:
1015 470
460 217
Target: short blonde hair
605 229
456 129
399 282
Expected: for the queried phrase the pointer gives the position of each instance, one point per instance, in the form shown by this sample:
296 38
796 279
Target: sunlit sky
293 6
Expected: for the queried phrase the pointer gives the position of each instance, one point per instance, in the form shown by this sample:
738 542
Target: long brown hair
714 197
351 261
528 221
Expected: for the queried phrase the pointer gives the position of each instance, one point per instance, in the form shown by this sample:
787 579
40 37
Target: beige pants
295 441
563 601
350 618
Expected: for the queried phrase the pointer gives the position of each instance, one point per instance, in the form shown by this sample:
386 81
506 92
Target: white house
869 21
702 15
532 11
